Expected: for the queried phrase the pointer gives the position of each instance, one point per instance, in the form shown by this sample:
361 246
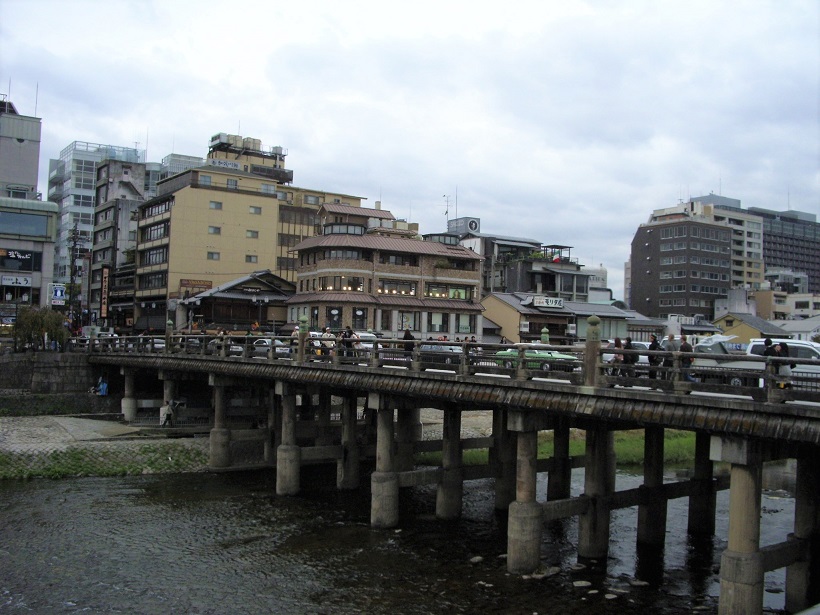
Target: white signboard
224 164
16 280
548 302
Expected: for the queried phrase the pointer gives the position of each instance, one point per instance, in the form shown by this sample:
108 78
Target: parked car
432 355
804 374
536 356
233 349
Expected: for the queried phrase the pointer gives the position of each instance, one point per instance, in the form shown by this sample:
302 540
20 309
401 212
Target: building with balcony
370 271
72 184
211 224
791 241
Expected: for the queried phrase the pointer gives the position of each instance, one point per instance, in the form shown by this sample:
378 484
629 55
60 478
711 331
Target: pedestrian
328 342
784 369
102 388
348 339
166 414
629 359
670 347
409 341
653 359
686 362
617 357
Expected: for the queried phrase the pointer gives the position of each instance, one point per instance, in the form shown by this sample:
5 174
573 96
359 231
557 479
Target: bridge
529 390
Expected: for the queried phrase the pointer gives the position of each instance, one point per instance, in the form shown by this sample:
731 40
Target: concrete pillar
524 524
324 433
741 566
220 440
591 351
502 460
272 428
288 454
703 505
560 478
451 488
169 389
347 468
408 432
128 405
384 482
802 588
599 479
652 515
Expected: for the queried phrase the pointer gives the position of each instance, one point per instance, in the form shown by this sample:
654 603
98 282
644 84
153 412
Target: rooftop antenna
456 201
36 97
447 208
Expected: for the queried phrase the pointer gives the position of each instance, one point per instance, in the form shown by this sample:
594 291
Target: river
214 543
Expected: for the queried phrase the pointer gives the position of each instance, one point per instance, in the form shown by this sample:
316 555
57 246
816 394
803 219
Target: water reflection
220 543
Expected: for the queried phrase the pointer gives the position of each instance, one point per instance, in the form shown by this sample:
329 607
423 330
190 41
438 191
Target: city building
787 280
746 327
791 241
211 224
369 271
28 226
682 260
807 329
770 304
523 317
71 184
803 305
19 152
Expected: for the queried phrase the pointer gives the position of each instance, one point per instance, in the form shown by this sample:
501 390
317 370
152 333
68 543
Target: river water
215 543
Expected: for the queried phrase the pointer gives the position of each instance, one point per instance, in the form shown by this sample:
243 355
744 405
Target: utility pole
74 239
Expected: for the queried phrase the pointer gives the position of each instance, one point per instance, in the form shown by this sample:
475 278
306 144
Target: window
215 205
397 287
286 263
156 209
312 200
268 189
251 258
232 184
409 320
156 231
214 230
465 323
438 322
359 318
153 280
255 210
14 193
333 316
205 180
252 234
154 256
213 256
410 260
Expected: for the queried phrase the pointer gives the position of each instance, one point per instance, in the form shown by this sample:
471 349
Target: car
440 354
262 346
805 369
641 365
233 349
537 356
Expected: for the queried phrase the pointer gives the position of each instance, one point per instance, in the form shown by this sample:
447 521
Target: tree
36 326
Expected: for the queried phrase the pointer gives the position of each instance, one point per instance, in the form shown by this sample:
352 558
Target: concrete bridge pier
408 432
169 385
128 405
273 432
703 504
288 454
384 482
652 514
599 484
525 522
802 587
220 437
451 487
347 468
502 460
324 433
741 565
559 480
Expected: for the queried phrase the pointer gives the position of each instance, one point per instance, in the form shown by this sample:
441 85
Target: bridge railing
671 372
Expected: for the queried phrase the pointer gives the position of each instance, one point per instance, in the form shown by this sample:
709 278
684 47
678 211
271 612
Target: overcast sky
560 121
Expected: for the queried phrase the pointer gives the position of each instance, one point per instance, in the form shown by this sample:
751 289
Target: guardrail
670 372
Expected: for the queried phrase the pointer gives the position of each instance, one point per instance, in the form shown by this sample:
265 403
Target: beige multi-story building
212 224
369 271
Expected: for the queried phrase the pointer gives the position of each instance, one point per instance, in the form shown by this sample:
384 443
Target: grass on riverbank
679 448
154 458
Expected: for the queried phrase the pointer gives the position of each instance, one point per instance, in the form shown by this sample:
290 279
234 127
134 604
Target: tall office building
791 241
71 184
19 152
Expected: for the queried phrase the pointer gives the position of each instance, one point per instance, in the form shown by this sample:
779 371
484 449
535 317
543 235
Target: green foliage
679 448
35 324
166 457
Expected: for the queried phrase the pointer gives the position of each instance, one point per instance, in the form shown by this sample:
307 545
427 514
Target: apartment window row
83 200
156 209
408 260
708 247
677 231
154 256
153 232
449 291
339 282
671 302
668 247
708 261
709 290
710 233
153 280
288 214
313 257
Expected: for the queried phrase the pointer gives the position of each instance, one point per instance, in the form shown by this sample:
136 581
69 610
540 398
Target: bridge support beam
220 440
408 432
384 482
741 565
288 454
599 483
347 468
560 478
451 488
128 405
273 431
525 522
802 577
703 504
324 433
652 514
502 460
